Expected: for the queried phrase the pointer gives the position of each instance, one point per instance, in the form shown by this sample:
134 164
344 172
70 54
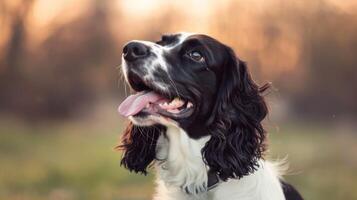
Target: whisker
174 85
122 80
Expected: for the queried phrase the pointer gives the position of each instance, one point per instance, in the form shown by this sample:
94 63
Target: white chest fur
181 167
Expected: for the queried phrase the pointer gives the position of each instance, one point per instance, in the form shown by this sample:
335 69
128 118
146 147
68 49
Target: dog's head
196 83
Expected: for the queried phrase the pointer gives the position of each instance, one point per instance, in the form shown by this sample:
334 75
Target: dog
196 117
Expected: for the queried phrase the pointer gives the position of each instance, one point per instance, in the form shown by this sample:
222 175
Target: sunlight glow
45 12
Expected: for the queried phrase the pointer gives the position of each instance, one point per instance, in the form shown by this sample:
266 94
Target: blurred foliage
52 65
64 72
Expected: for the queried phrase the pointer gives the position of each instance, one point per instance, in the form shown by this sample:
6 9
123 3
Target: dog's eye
196 56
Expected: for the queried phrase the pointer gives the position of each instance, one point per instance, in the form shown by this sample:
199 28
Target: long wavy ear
237 136
139 146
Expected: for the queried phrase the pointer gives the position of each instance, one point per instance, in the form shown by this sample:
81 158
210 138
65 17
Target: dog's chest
180 163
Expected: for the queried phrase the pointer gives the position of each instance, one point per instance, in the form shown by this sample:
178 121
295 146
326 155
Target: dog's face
175 79
198 84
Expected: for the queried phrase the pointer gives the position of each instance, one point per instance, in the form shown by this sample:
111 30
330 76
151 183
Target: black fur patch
290 192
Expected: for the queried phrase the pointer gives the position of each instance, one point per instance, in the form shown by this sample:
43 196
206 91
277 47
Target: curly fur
237 136
139 144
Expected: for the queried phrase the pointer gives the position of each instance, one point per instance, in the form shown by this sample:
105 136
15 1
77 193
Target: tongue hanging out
151 102
133 104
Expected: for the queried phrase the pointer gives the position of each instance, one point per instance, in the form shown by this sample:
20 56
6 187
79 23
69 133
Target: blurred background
60 86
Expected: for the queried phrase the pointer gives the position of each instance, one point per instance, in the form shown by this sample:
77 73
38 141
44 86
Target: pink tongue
133 104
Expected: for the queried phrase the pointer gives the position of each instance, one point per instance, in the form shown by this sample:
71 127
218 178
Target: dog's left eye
196 56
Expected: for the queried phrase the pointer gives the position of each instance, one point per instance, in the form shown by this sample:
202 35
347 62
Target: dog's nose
135 50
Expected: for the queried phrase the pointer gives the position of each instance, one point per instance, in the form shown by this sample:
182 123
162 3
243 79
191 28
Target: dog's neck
180 162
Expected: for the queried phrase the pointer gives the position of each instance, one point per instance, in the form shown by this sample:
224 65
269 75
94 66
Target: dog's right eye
196 56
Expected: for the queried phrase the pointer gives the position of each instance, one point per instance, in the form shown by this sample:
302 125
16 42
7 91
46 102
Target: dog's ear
237 136
139 146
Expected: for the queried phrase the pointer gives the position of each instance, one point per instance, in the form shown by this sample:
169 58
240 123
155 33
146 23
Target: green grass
76 160
323 162
65 161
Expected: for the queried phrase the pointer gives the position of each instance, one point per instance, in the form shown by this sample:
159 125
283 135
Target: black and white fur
222 134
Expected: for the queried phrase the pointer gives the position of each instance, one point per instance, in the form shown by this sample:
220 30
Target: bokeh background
60 86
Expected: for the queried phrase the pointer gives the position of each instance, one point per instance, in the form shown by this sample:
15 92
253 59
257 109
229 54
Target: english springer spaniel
196 116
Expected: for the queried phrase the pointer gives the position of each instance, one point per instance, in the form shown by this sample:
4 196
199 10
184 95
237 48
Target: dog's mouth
150 100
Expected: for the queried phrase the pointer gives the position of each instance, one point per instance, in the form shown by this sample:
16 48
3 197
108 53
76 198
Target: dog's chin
146 119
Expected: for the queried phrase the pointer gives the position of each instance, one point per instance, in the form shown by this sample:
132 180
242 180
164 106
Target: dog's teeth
164 105
176 102
172 102
173 105
189 105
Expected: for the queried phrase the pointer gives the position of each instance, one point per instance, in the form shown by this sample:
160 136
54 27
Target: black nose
135 50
